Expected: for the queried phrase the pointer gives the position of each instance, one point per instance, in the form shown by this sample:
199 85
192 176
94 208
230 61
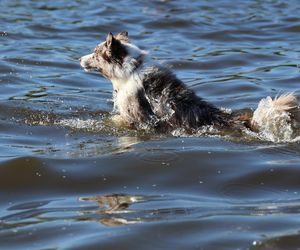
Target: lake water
69 180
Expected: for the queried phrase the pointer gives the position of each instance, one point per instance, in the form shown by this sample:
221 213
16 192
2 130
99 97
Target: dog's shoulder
159 80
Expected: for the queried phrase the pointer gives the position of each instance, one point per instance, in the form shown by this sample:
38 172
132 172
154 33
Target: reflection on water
123 209
214 190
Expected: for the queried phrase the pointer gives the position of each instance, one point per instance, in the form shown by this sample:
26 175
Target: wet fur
148 95
278 117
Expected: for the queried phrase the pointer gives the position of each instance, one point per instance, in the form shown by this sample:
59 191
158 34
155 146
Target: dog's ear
109 40
114 47
123 36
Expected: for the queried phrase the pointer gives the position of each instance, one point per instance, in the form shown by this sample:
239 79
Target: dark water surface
69 180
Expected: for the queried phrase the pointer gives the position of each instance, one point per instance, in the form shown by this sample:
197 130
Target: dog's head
114 58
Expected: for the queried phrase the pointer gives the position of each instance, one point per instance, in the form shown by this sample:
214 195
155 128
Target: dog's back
175 104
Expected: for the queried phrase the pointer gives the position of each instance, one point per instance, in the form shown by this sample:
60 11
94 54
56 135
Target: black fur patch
190 111
115 53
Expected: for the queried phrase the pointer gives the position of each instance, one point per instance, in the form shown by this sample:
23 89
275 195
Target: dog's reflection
119 145
110 206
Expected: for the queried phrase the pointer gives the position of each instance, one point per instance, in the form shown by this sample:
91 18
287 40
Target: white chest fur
126 96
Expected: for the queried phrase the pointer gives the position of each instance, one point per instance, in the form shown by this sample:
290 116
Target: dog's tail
277 118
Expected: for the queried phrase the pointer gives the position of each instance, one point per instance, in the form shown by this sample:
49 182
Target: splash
207 130
276 119
77 123
275 126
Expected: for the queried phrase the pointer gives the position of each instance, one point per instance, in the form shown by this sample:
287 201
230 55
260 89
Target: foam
274 120
76 123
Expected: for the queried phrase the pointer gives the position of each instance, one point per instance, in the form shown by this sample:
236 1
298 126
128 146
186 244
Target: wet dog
149 95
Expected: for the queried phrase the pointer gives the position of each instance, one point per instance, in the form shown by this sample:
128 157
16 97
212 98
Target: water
70 180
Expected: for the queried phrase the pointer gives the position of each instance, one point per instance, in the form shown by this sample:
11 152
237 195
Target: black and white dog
147 94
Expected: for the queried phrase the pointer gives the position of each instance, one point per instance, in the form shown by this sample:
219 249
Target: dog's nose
80 59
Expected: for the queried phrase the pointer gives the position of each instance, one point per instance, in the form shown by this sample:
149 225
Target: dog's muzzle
84 62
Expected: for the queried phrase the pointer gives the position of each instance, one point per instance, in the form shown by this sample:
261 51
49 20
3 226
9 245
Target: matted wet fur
149 95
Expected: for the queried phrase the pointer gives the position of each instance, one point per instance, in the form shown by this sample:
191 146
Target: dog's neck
131 81
127 84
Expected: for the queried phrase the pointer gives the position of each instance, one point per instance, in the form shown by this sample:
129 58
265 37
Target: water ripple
141 190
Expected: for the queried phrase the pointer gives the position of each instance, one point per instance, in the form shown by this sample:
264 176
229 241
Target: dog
148 95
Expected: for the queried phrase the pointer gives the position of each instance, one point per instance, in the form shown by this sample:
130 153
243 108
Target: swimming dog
148 95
